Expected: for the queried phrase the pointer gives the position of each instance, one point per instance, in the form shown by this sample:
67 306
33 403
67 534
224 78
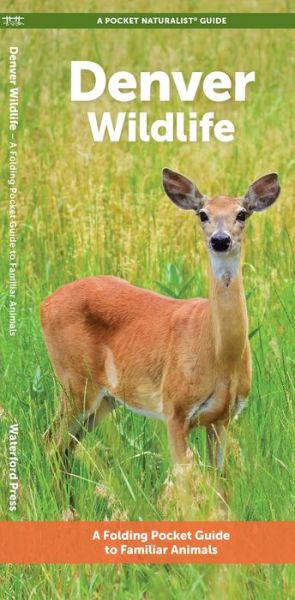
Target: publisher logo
13 464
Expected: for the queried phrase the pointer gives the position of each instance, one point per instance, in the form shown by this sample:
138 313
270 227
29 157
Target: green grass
85 209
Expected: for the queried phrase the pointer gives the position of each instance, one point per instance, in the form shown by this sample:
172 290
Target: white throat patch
225 265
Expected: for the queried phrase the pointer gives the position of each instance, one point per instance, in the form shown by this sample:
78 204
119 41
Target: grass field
86 208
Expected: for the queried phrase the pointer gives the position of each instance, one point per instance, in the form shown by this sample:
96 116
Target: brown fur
152 352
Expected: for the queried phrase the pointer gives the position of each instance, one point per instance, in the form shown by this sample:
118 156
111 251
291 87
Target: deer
186 362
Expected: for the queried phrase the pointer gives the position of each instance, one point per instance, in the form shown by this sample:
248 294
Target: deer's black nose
220 242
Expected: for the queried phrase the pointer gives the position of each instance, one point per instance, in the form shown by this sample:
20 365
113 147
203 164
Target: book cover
147 353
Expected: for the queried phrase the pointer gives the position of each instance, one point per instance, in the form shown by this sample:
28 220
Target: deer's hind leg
216 442
93 419
61 438
77 415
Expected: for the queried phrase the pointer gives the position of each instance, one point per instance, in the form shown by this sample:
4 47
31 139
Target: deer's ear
182 191
262 193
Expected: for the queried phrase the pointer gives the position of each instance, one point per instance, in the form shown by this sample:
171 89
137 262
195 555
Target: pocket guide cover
148 284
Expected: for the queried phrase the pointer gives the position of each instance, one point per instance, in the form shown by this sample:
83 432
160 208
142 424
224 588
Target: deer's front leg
177 433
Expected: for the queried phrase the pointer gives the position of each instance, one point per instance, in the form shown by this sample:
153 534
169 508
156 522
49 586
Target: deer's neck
229 319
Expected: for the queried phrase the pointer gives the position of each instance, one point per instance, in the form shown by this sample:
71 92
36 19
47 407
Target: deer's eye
203 216
241 216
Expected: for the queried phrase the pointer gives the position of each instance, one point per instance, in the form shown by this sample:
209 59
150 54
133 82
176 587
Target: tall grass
88 208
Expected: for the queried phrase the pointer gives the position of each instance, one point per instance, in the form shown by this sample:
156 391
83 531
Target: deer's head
222 217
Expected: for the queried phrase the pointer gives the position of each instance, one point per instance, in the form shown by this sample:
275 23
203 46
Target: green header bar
147 20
